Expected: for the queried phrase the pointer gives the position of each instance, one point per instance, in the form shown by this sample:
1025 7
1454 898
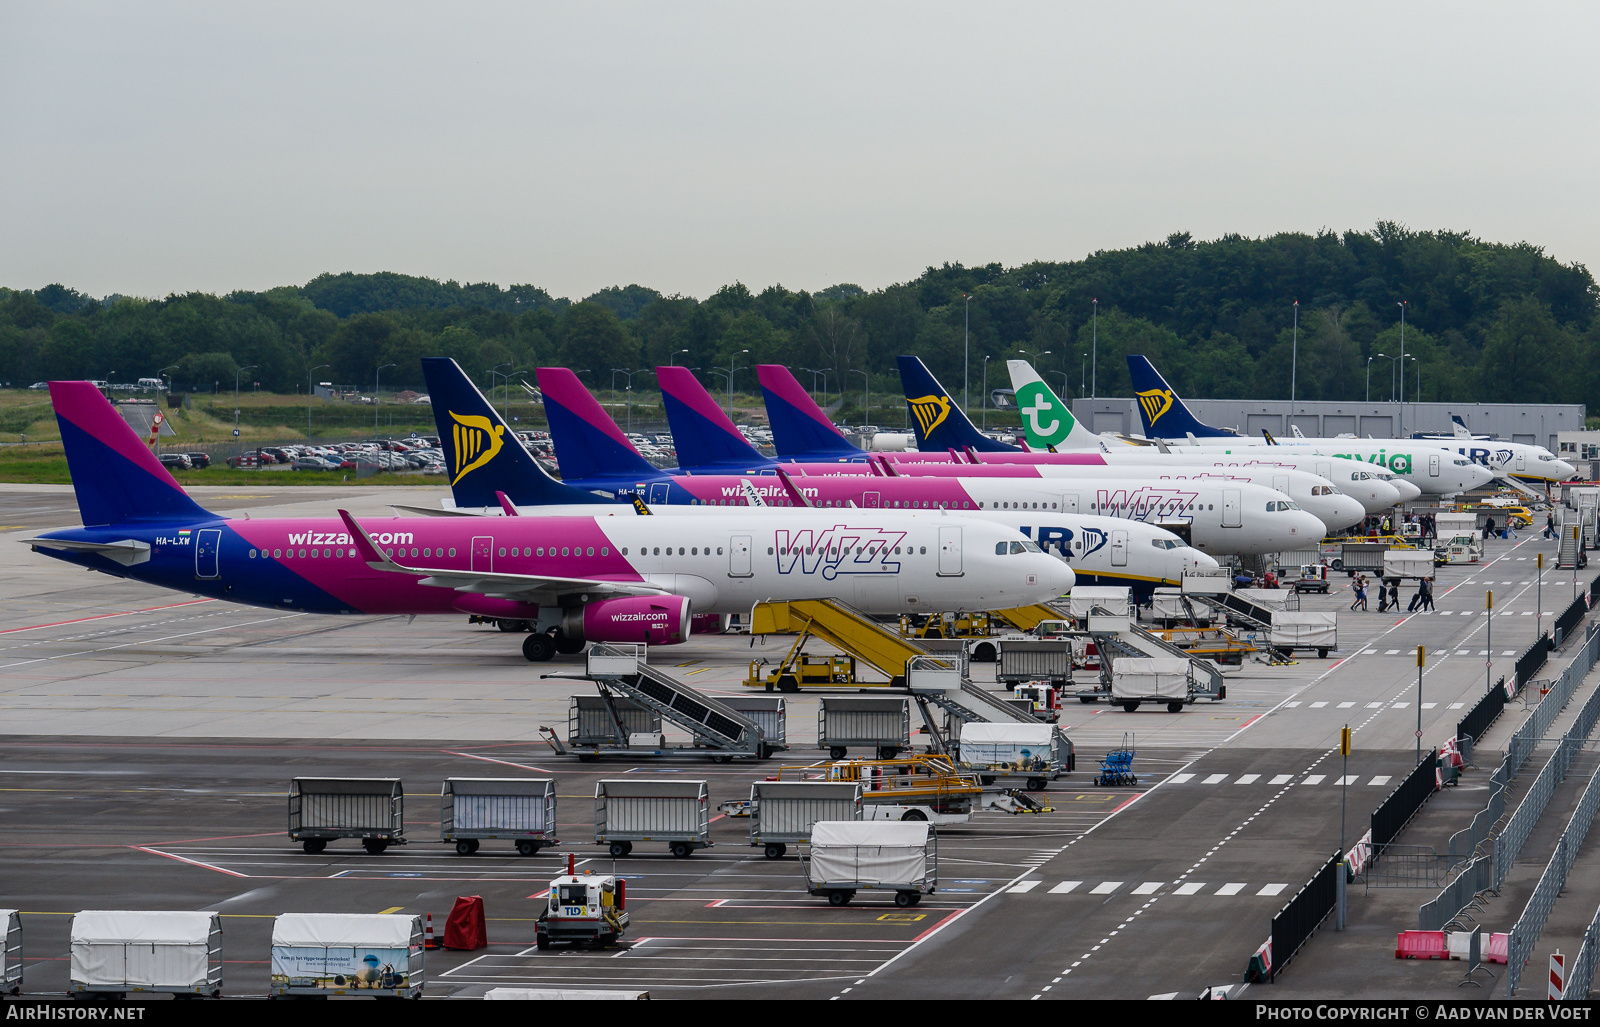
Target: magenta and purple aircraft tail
588 443
701 432
800 430
115 475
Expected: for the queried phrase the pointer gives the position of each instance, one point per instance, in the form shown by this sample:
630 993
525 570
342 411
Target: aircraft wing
527 588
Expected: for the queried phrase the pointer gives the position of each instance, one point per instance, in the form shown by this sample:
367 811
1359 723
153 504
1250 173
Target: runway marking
1381 779
1348 779
1248 779
1281 779
1230 889
1318 705
1313 779
1148 888
152 641
104 616
1188 889
1022 888
1064 887
1215 779
507 763
1105 887
1271 889
191 862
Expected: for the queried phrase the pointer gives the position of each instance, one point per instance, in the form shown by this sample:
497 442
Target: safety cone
428 940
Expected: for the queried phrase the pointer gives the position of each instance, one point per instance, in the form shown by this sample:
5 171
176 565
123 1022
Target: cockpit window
1165 543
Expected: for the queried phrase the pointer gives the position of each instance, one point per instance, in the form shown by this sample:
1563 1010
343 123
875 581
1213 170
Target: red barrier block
1422 945
1499 948
466 929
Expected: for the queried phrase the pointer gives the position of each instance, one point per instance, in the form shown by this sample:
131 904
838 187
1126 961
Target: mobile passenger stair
1117 635
620 672
843 627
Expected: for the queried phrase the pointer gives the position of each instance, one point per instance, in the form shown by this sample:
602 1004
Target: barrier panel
1403 803
1528 663
1301 915
1582 975
1476 877
1594 594
1483 714
1508 844
1571 616
1421 945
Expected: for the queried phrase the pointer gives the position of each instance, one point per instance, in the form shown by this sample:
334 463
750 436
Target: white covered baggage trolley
472 809
121 951
369 954
783 812
882 724
847 857
1084 598
1161 679
1317 631
1034 754
11 951
629 810
324 808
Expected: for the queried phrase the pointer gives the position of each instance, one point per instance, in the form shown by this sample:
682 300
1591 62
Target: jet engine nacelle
652 620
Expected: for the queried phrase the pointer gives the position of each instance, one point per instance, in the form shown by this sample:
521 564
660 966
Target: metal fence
1464 844
1301 915
1569 618
1594 590
1476 877
1531 924
1397 809
1509 842
1481 717
1582 975
1528 663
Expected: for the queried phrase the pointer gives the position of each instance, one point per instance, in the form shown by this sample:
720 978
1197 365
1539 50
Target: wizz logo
838 550
1147 504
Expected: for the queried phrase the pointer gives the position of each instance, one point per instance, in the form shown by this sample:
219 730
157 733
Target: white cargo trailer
847 857
120 951
783 812
369 954
1034 754
1317 631
1159 679
629 810
1414 564
473 809
325 808
1083 598
882 724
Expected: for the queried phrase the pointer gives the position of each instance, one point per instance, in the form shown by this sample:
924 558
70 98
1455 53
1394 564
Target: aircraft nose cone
1055 577
1200 561
1407 491
1309 529
1564 470
1345 512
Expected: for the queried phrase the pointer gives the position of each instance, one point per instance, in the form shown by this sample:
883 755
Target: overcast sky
154 147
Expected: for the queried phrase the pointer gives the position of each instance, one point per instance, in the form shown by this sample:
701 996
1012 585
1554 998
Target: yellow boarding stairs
863 639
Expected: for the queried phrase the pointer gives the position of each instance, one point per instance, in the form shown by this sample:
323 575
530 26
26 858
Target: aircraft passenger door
659 491
1433 465
871 500
483 553
739 557
1119 549
1281 483
1325 471
206 546
949 552
1069 502
1522 460
1230 509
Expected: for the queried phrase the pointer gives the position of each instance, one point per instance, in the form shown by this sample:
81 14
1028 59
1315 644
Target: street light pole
966 350
1402 368
986 358
310 394
1094 344
1294 357
377 381
236 374
731 369
1369 379
168 390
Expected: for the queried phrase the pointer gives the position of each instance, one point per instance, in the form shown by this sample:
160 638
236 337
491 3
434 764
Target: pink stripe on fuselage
681 384
561 385
83 405
350 580
833 490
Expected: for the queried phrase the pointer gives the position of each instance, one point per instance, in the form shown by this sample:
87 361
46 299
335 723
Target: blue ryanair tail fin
939 424
482 457
1162 412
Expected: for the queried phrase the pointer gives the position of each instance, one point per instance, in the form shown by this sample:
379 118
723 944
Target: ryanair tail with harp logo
1161 409
481 453
938 422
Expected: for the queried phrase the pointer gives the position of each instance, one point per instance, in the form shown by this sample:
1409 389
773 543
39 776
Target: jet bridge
620 670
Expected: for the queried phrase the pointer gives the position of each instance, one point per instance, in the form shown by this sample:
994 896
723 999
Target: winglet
639 506
506 505
795 495
1268 436
364 544
751 496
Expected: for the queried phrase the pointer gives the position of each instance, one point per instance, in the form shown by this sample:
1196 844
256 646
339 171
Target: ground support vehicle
115 952
1117 768
1159 680
802 670
10 951
862 640
847 857
1029 754
632 810
378 955
945 625
1022 659
1041 702
1459 549
882 724
1401 564
1293 630
476 809
782 813
324 808
1312 577
586 910
929 788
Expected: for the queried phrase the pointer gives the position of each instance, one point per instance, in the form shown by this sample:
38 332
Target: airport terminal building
1532 423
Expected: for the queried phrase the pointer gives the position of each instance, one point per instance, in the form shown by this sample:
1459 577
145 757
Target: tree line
1484 321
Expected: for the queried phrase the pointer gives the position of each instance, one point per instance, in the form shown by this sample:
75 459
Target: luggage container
1407 563
589 721
768 711
1315 631
783 812
1167 606
119 951
847 857
1083 598
474 809
324 808
1163 679
632 810
883 724
1031 659
11 951
1033 754
1361 556
371 954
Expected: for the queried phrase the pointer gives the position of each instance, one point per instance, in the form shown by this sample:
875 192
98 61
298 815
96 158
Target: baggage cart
1160 679
1117 768
119 951
1031 754
1361 556
368 954
783 812
1407 563
769 713
629 810
882 724
1313 631
1167 606
1084 598
475 809
1031 659
11 951
324 808
590 722
847 857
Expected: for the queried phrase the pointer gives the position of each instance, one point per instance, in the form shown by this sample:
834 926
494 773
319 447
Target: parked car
176 461
310 463
200 461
